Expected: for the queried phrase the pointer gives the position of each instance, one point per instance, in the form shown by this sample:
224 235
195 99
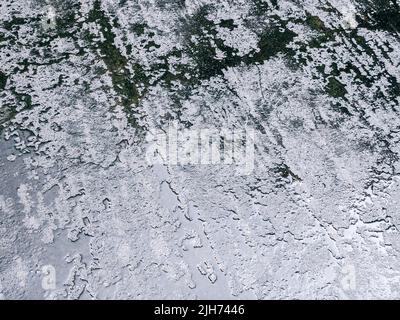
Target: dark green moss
138 28
315 23
260 7
124 83
335 88
394 87
199 33
345 111
2 37
228 23
8 112
284 171
274 40
27 99
381 15
3 80
66 20
14 22
151 44
326 39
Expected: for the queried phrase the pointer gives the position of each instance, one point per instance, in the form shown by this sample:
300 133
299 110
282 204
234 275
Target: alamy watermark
231 147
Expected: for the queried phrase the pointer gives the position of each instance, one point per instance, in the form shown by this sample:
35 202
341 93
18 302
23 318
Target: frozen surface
85 84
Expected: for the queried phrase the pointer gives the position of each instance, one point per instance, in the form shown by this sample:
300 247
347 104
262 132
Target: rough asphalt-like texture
84 214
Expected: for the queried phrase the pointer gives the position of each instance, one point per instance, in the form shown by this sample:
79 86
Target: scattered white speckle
349 16
11 157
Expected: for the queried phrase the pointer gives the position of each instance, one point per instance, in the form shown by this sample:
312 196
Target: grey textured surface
85 84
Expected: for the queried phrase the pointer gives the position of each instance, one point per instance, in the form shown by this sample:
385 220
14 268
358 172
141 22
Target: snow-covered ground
298 103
